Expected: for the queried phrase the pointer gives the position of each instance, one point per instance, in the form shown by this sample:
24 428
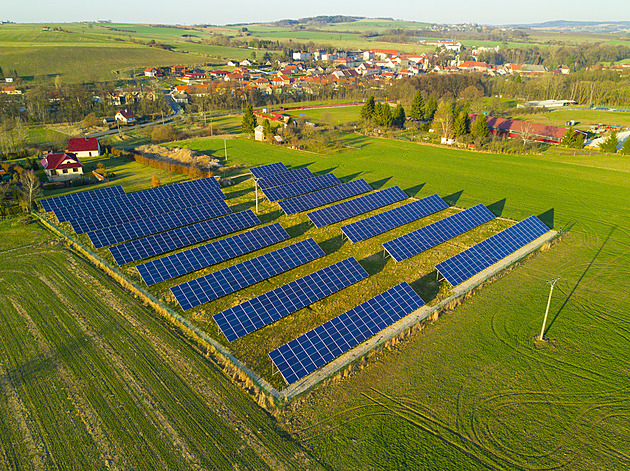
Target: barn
84 147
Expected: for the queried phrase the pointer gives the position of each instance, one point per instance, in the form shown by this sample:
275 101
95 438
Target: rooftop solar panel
388 220
178 238
325 196
160 223
203 256
284 300
301 187
354 207
284 178
488 252
215 285
50 204
268 170
324 343
434 234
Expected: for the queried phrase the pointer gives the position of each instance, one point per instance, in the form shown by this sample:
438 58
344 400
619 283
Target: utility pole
256 187
552 283
225 151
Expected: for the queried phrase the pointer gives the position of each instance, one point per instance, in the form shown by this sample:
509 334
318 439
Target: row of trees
381 114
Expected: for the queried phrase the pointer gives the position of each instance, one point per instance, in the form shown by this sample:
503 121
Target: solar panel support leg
256 187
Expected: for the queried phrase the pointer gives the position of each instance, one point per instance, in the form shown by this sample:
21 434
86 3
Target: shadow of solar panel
354 207
210 287
203 256
178 238
434 234
301 187
488 252
160 223
320 346
268 170
50 204
388 220
287 299
325 196
284 178
202 192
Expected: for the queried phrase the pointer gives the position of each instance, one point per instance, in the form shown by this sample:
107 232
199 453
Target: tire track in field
90 418
178 363
151 408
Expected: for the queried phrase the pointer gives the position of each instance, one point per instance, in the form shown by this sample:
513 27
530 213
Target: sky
249 11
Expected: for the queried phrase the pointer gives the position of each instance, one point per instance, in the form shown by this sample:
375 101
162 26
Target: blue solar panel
314 349
354 207
299 188
50 204
268 170
479 257
160 223
210 287
178 238
287 299
434 234
284 178
203 256
388 220
325 196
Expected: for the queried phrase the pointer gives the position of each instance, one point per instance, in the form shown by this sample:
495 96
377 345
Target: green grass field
584 117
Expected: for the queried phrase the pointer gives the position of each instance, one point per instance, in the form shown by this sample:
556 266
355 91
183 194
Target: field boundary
235 369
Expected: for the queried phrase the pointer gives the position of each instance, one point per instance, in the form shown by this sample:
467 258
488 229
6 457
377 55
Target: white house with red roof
150 72
62 167
126 117
84 147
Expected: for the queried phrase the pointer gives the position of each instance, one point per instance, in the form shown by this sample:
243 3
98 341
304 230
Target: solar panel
268 170
434 234
354 207
312 350
284 178
203 256
301 187
50 204
201 190
388 220
479 257
178 238
287 299
160 223
210 287
325 196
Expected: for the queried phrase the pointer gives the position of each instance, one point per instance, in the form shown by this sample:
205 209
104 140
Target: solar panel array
314 349
299 188
178 238
267 170
284 300
325 196
434 234
50 204
202 189
203 256
123 214
160 223
354 207
388 220
284 178
479 257
215 285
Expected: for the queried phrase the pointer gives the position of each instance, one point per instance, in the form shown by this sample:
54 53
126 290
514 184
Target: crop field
82 363
331 116
584 117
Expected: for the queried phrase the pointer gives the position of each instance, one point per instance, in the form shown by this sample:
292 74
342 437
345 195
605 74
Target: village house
150 72
126 117
62 167
84 147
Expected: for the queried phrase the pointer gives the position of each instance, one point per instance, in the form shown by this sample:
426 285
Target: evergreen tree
610 144
480 129
249 120
399 117
462 123
367 110
430 108
417 107
568 140
267 132
378 113
387 117
625 148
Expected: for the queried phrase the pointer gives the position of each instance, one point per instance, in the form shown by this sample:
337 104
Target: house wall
63 177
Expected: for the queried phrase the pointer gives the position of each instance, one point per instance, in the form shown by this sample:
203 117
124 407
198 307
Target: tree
610 144
625 148
164 133
90 121
387 117
31 187
249 120
399 117
417 107
430 108
367 110
267 132
155 181
443 120
462 123
572 140
480 130
378 113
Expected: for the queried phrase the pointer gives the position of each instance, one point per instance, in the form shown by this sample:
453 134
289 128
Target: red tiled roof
391 52
127 114
550 133
81 144
56 161
470 64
